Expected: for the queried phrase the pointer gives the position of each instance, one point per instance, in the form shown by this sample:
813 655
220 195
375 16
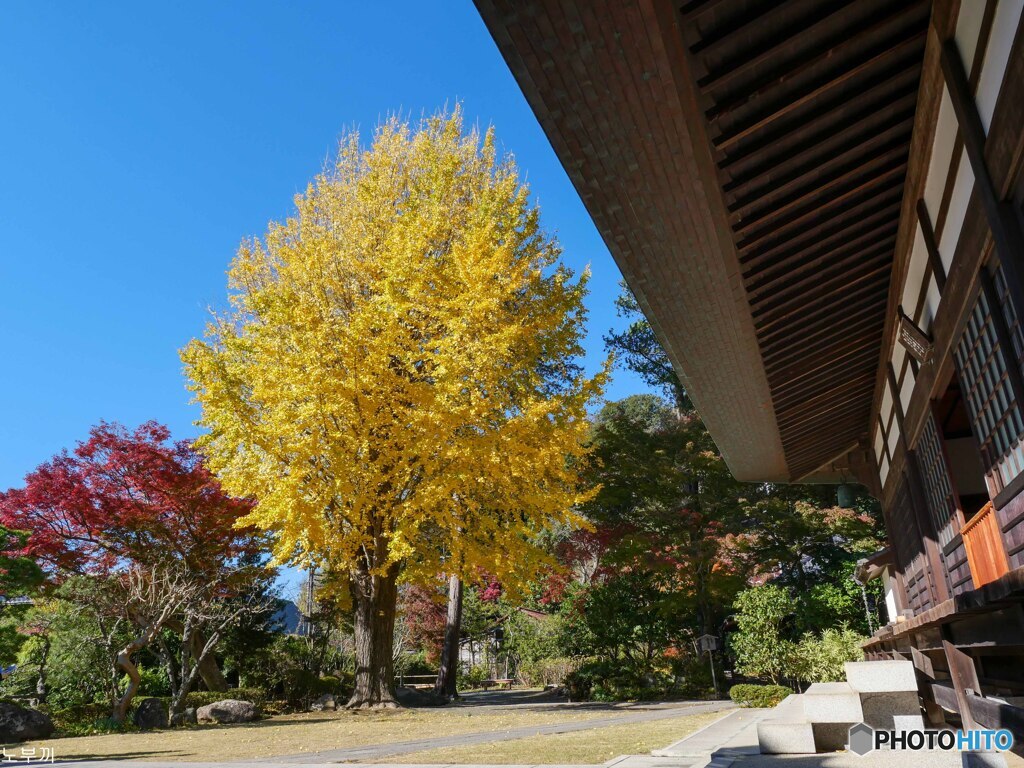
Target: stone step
881 676
790 707
785 737
832 703
831 737
881 709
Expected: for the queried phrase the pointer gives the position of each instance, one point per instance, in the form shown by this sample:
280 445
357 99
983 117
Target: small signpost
914 340
710 643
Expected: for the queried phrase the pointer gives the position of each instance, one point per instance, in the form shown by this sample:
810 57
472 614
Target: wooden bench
417 682
503 682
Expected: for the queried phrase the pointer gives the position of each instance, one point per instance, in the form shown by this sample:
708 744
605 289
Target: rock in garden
188 717
151 713
227 711
20 724
325 702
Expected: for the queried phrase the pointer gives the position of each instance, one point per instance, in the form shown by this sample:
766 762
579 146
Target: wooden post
964 676
926 676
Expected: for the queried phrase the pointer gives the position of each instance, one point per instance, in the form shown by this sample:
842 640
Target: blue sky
142 141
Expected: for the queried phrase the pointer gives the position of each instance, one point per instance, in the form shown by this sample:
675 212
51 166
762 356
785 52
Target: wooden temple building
819 205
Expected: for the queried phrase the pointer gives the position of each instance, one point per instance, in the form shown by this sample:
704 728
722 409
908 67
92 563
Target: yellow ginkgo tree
395 382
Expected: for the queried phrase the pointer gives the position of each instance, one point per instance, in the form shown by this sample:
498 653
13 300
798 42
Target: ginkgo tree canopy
395 380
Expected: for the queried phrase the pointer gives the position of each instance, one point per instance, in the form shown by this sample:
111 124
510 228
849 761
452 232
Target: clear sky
142 141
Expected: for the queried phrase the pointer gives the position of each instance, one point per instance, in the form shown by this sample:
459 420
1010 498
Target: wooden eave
745 162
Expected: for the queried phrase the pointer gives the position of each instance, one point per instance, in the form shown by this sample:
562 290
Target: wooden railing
984 543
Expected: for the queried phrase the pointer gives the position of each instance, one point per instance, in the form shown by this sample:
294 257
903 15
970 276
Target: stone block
880 708
790 708
832 703
785 737
881 676
830 737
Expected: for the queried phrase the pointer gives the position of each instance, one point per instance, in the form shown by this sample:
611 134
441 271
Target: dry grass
296 734
590 746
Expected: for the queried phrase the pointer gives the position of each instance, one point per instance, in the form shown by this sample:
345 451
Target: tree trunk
124 661
43 659
209 670
448 671
376 600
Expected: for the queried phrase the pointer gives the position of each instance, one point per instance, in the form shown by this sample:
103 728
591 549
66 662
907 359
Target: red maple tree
144 516
126 497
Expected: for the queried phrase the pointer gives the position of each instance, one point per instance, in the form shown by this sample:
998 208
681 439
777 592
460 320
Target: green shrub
86 720
822 659
577 685
303 686
328 684
414 664
693 678
759 647
154 682
628 685
604 680
543 672
473 677
761 696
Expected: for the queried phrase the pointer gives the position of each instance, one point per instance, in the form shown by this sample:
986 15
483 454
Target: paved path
722 742
732 743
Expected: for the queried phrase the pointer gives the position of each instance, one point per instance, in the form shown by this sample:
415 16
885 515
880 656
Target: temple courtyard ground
485 731
482 729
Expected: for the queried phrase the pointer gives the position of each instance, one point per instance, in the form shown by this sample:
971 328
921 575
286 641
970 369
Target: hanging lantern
846 495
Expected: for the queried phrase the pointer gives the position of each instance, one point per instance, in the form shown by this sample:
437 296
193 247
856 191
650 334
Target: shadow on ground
553 701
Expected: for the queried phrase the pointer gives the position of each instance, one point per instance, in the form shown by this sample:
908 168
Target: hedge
761 696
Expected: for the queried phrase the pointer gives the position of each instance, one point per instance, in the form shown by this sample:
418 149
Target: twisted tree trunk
124 661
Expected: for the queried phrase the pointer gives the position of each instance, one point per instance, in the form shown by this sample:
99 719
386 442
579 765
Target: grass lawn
295 734
593 746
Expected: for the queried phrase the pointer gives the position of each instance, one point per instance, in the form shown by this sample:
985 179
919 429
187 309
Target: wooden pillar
964 676
925 678
1006 233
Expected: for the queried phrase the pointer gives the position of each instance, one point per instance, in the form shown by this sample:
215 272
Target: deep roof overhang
744 161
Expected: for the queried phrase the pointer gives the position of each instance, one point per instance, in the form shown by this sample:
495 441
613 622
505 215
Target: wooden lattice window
1013 325
938 488
983 361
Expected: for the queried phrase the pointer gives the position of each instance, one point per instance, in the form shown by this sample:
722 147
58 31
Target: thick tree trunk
209 670
376 599
448 672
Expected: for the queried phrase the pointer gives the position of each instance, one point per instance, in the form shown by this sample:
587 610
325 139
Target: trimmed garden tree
395 382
